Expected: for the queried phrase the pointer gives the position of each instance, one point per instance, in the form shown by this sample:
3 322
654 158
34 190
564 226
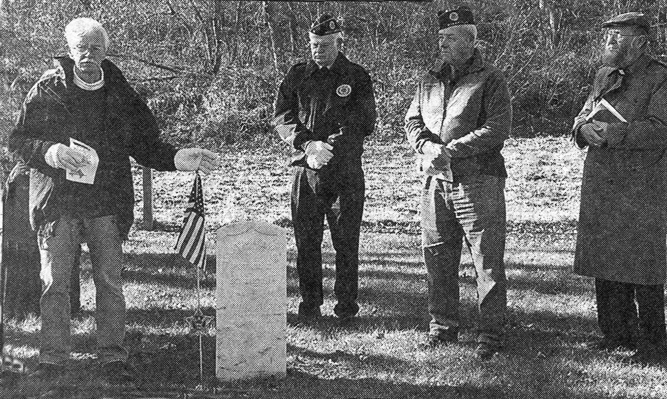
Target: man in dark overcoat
324 110
622 221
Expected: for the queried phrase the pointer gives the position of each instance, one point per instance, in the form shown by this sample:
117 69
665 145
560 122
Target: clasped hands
593 133
318 153
186 159
438 155
60 156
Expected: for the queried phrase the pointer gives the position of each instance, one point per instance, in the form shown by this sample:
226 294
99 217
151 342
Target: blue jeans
58 243
471 210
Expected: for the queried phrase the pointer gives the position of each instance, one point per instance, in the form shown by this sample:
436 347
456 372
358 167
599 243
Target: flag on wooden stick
191 242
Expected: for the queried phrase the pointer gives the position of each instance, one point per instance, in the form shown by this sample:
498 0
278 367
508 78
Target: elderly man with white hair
458 121
324 109
84 193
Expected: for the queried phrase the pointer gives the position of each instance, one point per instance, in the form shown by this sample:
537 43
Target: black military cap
324 25
459 16
629 19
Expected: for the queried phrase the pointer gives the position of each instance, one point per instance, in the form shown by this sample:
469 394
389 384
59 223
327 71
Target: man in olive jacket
622 220
324 110
86 98
458 121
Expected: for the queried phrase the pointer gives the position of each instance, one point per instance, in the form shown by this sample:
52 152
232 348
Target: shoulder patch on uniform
343 90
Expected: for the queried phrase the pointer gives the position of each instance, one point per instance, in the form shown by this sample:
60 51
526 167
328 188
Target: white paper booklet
85 174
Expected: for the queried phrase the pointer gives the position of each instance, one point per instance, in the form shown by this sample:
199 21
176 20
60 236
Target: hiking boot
438 340
118 372
486 350
47 372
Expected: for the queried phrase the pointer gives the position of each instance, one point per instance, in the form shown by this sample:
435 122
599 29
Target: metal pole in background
148 197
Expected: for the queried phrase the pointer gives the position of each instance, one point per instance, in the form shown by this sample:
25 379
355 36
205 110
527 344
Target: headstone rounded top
265 228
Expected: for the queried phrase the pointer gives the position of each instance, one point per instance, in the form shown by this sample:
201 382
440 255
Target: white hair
468 29
80 27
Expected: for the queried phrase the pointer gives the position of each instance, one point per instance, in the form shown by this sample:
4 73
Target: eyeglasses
616 35
90 48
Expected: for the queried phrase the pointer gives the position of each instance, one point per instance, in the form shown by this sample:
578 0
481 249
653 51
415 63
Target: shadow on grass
169 363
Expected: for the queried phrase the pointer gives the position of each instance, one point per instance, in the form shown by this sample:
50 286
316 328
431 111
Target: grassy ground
551 312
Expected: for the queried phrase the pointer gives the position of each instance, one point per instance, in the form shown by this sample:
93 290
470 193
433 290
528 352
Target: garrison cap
458 16
324 25
629 19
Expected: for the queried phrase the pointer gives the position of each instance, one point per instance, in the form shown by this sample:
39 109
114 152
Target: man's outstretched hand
191 159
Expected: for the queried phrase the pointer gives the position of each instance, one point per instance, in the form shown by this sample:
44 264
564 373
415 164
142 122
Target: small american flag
192 240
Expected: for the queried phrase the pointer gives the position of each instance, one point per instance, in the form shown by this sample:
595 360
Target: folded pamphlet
86 173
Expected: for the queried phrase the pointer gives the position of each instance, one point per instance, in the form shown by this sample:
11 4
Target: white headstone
251 301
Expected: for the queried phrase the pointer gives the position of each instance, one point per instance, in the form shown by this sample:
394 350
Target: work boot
118 372
486 350
438 340
47 372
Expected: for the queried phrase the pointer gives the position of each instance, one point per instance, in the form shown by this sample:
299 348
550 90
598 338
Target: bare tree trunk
268 18
218 23
293 31
205 33
554 20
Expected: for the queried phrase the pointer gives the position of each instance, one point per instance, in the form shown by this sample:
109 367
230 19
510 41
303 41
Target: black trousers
337 194
631 312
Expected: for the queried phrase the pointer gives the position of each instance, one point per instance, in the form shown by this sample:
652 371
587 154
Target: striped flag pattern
191 242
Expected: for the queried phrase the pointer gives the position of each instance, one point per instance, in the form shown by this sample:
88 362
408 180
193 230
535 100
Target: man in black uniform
324 109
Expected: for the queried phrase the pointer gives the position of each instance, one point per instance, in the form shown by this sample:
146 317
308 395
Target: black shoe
435 341
346 320
650 354
47 372
485 350
612 344
346 309
118 372
308 312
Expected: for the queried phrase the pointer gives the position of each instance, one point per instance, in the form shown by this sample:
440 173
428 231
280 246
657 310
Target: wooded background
209 68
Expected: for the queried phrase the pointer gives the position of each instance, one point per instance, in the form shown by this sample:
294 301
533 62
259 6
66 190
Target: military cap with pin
629 19
459 16
325 25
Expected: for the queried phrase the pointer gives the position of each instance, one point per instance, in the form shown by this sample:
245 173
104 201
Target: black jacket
336 106
130 130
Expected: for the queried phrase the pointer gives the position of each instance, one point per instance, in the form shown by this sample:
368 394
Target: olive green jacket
471 112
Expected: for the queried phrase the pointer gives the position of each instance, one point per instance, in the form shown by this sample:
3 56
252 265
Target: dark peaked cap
629 19
324 25
458 16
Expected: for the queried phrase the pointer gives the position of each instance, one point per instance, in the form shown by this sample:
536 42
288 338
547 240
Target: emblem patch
344 90
454 16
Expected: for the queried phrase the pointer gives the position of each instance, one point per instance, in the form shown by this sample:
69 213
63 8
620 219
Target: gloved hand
591 132
60 156
318 154
191 159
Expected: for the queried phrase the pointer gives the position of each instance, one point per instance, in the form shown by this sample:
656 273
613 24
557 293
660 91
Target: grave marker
251 298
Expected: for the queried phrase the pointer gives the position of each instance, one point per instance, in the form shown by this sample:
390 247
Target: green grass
551 312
